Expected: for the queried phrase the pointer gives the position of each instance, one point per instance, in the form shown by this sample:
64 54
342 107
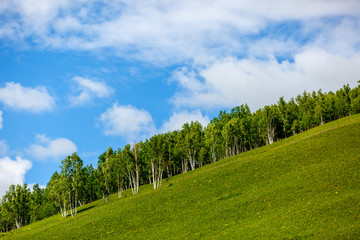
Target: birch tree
105 173
91 185
131 168
180 149
36 201
193 142
16 203
71 174
7 222
57 192
156 149
119 171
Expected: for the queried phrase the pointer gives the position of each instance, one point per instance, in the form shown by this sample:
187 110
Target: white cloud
34 17
26 98
4 148
230 82
229 47
1 120
159 30
31 185
12 172
88 90
127 121
46 148
177 120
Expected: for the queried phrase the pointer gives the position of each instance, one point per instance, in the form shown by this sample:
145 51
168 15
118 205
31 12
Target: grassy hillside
307 186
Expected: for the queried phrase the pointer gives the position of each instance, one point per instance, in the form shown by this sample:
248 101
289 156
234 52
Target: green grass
304 187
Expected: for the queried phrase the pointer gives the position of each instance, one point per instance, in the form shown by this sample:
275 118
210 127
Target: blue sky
85 75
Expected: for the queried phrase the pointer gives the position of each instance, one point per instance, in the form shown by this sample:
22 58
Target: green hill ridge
306 186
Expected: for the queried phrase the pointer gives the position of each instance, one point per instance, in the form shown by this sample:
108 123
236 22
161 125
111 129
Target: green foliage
72 181
172 153
16 203
20 207
306 186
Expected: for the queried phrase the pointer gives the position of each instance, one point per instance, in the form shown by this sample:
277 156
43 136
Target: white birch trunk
157 172
192 161
131 179
213 153
137 179
18 223
270 134
184 165
153 173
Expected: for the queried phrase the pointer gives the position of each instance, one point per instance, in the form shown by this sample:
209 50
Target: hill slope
305 186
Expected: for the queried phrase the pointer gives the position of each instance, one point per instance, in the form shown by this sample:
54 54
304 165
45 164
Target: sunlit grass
307 186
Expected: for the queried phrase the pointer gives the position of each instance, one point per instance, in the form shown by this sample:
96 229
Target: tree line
168 154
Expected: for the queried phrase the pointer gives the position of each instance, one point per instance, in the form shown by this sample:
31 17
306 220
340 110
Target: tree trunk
184 165
120 192
192 160
270 134
18 222
213 153
132 182
153 171
119 186
137 179
168 171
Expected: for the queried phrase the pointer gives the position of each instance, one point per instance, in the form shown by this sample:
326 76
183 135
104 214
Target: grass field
304 187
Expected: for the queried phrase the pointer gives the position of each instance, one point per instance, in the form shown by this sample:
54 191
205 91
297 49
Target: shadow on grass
85 209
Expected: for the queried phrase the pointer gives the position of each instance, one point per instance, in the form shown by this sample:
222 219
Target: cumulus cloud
127 121
159 30
30 99
231 81
89 89
177 120
46 148
12 172
1 120
135 124
4 148
233 51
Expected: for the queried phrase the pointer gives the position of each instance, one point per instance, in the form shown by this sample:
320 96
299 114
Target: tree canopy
167 154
